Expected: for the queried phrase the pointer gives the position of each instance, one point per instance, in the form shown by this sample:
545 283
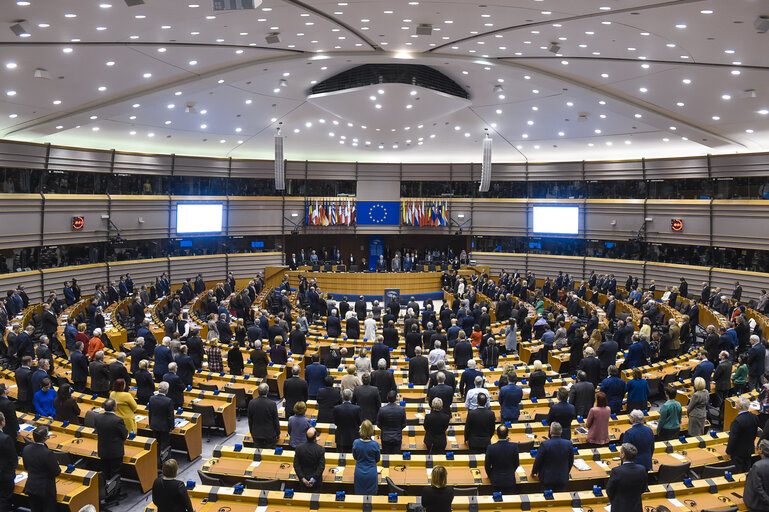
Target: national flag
444 214
333 214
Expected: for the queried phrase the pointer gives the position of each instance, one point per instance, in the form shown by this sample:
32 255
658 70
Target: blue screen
257 244
535 245
609 245
185 243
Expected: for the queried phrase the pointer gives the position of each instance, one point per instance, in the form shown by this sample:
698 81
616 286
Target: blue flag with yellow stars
378 213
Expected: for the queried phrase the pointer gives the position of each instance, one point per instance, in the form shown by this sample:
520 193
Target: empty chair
669 379
265 485
525 447
669 473
392 488
465 491
209 480
90 419
715 471
207 387
655 387
540 416
240 397
207 416
684 374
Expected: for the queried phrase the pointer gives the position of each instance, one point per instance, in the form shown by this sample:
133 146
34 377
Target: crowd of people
401 260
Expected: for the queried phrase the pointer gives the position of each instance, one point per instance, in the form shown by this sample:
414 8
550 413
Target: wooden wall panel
88 276
213 268
676 168
137 163
261 169
613 219
256 216
622 170
20 220
620 268
198 166
500 261
752 282
30 280
247 265
142 271
666 274
544 265
76 159
59 210
742 224
22 155
141 217
502 217
694 213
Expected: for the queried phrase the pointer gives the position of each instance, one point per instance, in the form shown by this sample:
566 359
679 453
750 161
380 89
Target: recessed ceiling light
763 111
736 72
10 93
680 103
102 88
665 139
95 129
378 106
203 126
638 116
409 107
604 75
147 75
561 134
162 50
726 97
131 117
210 17
167 123
530 122
606 23
105 5
645 66
178 93
57 102
193 62
597 131
100 29
569 104
673 128
643 89
140 16
681 25
93 118
687 81
67 50
729 51
165 27
11 65
706 11
22 3
716 118
136 105
43 25
110 63
749 130
70 15
150 134
170 106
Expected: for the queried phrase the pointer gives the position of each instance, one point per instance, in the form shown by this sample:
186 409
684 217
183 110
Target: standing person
168 493
554 459
9 462
597 421
79 363
582 395
669 425
637 392
111 433
145 384
742 435
66 406
627 482
160 410
125 404
328 397
479 426
537 381
235 360
369 326
501 462
42 469
315 375
391 421
562 413
437 497
756 360
642 437
310 462
756 494
510 397
45 398
213 357
23 378
722 377
435 425
294 390
366 453
298 424
696 411
347 418
263 422
8 409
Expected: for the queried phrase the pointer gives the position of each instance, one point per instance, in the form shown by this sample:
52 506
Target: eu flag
378 213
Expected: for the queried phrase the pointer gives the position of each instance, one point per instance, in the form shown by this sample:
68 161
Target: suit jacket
310 462
333 326
117 370
8 408
563 413
112 433
185 368
327 399
295 390
463 352
161 413
79 362
592 368
315 374
742 435
352 328
137 354
501 462
435 426
756 358
175 388
479 427
384 381
391 421
41 465
553 461
367 397
263 420
347 418
445 393
380 351
627 482
419 370
99 371
642 437
582 397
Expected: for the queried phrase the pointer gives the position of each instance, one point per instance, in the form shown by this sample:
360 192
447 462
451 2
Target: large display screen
556 220
198 218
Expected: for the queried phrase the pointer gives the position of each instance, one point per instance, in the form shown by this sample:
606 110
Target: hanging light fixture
486 165
280 163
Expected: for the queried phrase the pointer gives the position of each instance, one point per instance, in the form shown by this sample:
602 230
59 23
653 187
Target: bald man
309 463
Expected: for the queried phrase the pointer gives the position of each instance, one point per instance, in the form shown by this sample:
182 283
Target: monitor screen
185 243
257 245
557 220
198 218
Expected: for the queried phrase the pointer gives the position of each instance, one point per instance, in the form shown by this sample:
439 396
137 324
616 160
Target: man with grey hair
384 380
756 359
742 435
627 482
99 371
175 385
138 352
263 420
554 460
117 370
436 354
111 434
471 401
756 494
295 390
642 437
347 418
161 418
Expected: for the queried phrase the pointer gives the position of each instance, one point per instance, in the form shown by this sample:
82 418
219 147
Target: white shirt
435 355
370 329
471 401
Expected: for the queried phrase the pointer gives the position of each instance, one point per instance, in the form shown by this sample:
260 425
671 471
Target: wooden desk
73 490
353 284
712 493
141 453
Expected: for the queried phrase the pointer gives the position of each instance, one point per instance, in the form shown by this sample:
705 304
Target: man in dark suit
23 377
138 352
309 463
24 345
463 352
705 294
36 380
263 420
328 398
419 368
413 340
582 395
384 380
627 482
117 370
591 366
9 461
347 418
380 351
297 341
642 437
554 459
175 385
563 413
333 325
185 366
367 397
607 356
391 421
360 307
315 373
389 333
479 426
111 433
742 436
756 359
443 391
161 418
42 468
295 390
8 409
79 363
467 381
352 327
450 378
501 462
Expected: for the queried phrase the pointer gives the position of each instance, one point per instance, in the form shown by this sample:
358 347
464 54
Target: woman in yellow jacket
126 405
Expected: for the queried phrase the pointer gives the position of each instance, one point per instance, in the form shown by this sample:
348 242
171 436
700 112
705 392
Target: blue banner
378 213
375 249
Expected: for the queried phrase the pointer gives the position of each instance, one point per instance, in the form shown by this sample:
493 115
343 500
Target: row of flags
331 212
424 212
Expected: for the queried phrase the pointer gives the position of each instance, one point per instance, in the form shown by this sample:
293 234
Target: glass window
505 189
680 189
20 181
253 187
617 189
557 189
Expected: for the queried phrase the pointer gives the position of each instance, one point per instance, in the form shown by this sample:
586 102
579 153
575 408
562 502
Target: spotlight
424 29
283 83
42 73
498 89
190 108
19 29
273 38
554 47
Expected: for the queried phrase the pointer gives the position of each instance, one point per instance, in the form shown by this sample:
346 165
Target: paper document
21 476
581 465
